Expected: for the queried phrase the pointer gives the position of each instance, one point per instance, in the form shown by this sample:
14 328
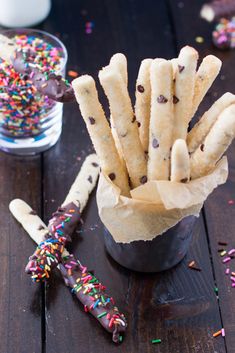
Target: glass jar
160 254
30 122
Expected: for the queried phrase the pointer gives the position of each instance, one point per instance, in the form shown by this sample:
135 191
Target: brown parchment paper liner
155 206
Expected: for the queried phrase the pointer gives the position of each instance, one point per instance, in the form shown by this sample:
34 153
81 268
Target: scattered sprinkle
224 252
231 202
192 266
72 73
218 333
199 39
156 340
89 27
222 243
224 34
227 259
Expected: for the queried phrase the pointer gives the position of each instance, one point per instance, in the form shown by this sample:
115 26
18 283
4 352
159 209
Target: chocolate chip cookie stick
100 132
217 9
197 134
142 102
119 62
180 166
204 159
63 222
84 285
205 76
161 119
125 124
53 86
184 91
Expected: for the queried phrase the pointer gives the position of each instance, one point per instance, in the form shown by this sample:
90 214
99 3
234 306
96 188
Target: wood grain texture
179 306
20 300
219 215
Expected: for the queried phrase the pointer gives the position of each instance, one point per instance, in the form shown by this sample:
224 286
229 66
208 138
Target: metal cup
163 252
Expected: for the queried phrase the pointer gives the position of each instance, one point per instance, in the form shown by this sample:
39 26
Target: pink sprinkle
233 284
232 251
223 332
227 271
232 278
231 202
227 259
67 266
59 226
84 269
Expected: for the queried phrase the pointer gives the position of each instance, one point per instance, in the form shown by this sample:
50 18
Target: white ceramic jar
23 13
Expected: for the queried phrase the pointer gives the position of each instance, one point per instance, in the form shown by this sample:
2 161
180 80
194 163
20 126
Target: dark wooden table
179 306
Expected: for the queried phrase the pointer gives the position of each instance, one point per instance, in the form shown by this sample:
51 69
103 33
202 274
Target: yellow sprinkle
199 39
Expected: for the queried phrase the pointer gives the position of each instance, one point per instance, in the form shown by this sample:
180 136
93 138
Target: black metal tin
161 253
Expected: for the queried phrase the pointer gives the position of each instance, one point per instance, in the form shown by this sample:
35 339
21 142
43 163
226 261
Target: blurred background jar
23 13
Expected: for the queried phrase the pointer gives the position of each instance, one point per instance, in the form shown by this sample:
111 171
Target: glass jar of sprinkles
29 121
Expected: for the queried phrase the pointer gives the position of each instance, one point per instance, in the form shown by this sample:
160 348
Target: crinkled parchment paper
155 206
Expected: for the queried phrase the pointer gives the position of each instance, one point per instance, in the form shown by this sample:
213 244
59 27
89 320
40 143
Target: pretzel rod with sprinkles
63 222
84 285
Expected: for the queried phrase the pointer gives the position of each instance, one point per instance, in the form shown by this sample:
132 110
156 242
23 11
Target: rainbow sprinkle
92 294
224 34
23 110
49 252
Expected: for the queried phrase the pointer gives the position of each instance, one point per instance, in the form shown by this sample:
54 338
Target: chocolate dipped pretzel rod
84 285
217 9
63 222
51 85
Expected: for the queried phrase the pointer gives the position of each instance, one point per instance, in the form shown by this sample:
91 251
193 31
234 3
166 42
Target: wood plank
219 214
20 300
179 305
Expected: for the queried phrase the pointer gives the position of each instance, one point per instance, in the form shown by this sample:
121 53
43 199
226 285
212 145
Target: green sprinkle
157 340
102 314
120 338
216 290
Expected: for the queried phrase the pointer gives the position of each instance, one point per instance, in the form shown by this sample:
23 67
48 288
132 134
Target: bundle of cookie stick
51 251
151 166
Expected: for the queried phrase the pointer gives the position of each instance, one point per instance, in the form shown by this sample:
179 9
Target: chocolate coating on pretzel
48 253
91 293
51 85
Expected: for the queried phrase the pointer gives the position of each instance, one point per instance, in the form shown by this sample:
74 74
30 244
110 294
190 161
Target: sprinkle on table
72 73
224 252
231 202
218 333
192 266
199 39
89 27
222 243
156 340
